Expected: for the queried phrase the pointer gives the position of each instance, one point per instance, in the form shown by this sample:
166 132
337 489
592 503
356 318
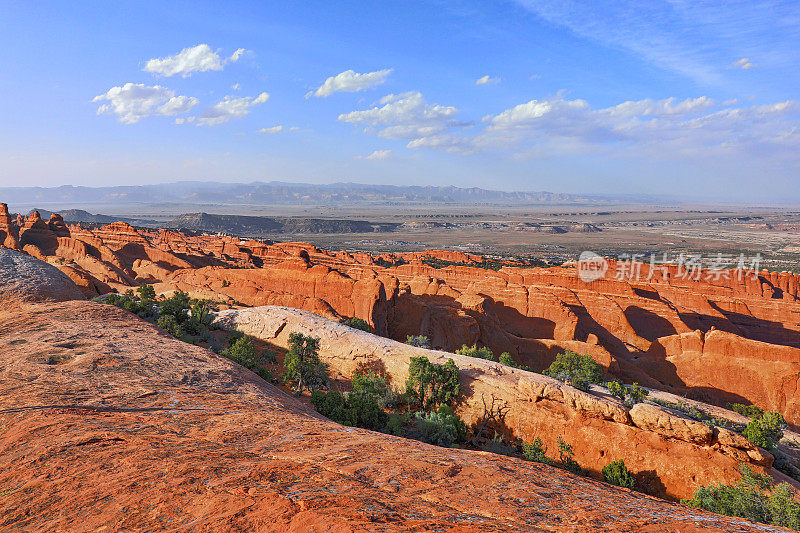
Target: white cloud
236 55
377 155
187 120
485 80
236 86
743 63
133 102
228 108
350 81
694 127
200 58
273 129
405 116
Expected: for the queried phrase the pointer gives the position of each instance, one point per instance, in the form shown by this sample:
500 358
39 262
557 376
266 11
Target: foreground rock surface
109 424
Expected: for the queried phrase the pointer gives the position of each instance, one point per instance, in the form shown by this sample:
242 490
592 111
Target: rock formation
32 279
111 425
664 328
671 454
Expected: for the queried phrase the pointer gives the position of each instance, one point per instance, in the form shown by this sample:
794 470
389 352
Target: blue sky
679 97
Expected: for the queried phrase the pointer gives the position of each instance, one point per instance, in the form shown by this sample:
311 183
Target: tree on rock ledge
302 367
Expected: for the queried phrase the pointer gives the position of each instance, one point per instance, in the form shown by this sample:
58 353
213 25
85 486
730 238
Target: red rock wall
630 327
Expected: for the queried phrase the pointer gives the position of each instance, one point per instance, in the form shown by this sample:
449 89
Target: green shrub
617 390
617 473
351 410
442 427
396 424
369 384
628 395
430 385
146 292
176 305
473 351
536 451
765 430
566 456
746 410
420 341
358 323
302 367
241 351
749 498
579 370
637 393
170 324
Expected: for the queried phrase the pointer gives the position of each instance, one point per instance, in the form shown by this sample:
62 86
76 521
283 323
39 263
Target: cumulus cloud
405 116
377 155
135 101
273 129
693 127
485 80
743 63
350 81
200 58
228 108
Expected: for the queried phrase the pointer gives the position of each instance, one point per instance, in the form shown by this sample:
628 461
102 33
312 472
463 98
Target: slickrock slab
110 425
36 280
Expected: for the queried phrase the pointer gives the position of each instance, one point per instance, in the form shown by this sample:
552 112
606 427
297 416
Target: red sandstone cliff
720 340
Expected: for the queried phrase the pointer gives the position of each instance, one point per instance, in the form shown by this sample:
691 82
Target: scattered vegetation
185 318
474 351
627 395
754 497
441 427
420 341
765 430
536 451
385 263
616 473
575 369
698 414
302 368
746 410
358 323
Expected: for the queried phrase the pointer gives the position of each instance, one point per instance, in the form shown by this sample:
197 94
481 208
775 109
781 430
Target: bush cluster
754 497
185 318
484 352
746 410
765 430
576 369
354 410
241 350
616 473
420 341
627 395
358 323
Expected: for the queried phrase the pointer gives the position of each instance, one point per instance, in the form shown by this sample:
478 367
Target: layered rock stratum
732 337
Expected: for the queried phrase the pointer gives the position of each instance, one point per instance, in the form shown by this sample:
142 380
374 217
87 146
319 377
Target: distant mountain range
197 193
